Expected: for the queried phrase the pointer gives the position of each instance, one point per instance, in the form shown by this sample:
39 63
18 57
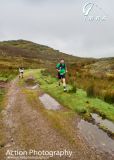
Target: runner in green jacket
62 69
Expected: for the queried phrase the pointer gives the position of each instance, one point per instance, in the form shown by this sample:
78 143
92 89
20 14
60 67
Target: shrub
45 72
109 97
73 88
81 110
91 91
72 81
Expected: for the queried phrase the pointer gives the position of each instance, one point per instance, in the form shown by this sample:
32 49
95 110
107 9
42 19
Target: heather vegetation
97 83
86 76
75 99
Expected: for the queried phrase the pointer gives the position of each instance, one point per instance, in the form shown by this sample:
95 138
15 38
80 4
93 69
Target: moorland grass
78 102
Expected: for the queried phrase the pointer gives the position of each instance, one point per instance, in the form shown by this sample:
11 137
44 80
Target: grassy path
78 102
27 125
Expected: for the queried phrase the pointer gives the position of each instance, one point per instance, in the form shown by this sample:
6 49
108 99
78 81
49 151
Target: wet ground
49 102
96 137
32 87
103 122
28 126
31 84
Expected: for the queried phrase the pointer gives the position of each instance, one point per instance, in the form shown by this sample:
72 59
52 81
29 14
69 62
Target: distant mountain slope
103 65
27 49
28 54
17 53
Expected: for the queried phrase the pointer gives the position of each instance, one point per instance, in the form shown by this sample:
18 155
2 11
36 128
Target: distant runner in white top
21 72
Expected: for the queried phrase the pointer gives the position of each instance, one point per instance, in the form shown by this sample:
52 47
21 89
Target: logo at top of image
93 12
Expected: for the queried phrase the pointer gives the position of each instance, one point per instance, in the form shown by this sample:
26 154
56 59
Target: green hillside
26 51
95 76
90 86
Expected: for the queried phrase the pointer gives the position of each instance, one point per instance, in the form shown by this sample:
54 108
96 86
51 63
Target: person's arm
57 68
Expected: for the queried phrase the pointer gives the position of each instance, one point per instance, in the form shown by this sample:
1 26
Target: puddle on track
32 87
96 137
103 122
49 102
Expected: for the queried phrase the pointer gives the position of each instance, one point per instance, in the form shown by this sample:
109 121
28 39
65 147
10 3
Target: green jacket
62 68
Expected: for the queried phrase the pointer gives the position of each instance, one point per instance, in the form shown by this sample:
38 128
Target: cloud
59 24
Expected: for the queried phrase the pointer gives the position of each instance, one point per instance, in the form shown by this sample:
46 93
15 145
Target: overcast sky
61 24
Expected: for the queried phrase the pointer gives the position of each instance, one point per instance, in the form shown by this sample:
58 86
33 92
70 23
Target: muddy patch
30 83
96 138
49 102
2 84
32 87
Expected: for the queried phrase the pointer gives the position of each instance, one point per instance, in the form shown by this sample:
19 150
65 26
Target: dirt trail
26 128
